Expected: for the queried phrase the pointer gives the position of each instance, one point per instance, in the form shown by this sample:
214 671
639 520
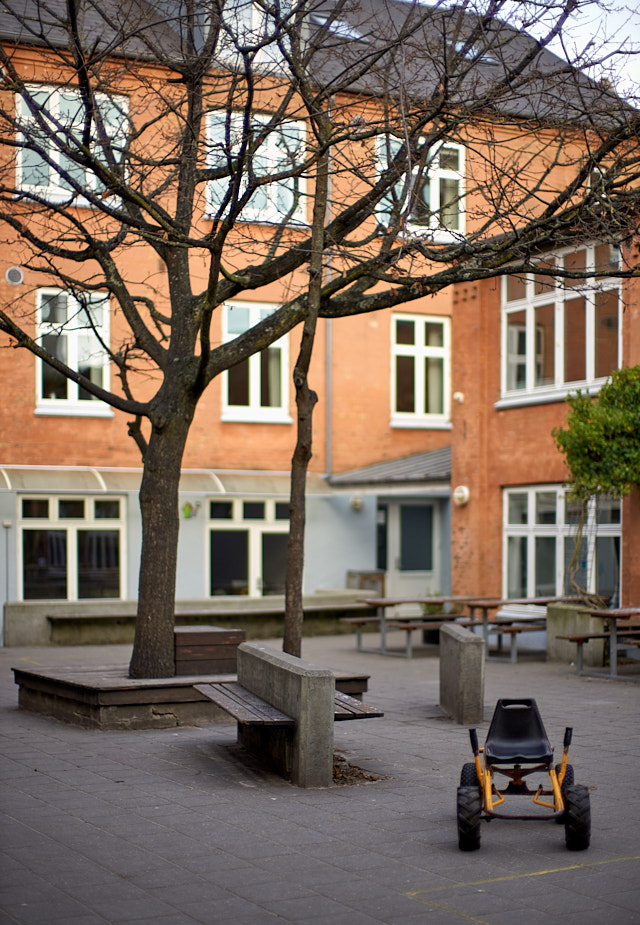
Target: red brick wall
497 448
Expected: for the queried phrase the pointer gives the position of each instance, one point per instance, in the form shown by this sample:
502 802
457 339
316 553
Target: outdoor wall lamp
460 495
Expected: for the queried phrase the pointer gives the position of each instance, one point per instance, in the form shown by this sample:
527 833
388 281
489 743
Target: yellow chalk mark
418 894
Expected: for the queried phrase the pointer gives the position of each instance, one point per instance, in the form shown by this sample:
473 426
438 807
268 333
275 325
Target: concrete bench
285 709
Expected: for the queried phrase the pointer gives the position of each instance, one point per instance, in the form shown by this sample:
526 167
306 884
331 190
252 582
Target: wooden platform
106 698
206 649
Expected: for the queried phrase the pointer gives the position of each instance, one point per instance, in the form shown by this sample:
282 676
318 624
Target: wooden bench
409 626
624 637
513 630
359 623
353 684
510 627
249 709
285 709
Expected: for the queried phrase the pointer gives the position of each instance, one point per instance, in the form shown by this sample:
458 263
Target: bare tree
361 155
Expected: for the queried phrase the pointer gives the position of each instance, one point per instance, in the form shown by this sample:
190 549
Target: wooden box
206 649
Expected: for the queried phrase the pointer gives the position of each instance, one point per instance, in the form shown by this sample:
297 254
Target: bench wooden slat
584 637
528 628
356 621
251 710
346 707
416 624
245 707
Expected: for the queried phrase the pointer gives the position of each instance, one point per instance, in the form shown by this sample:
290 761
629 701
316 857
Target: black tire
577 817
469 812
569 778
468 775
567 782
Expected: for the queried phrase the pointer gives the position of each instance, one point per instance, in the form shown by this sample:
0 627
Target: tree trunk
306 399
153 648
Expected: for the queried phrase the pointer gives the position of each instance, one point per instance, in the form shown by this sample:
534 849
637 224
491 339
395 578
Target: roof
434 466
428 56
96 479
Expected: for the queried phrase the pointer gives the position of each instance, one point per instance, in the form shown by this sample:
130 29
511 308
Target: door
412 549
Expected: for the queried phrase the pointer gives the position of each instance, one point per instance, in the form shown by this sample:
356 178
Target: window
254 29
256 389
277 149
45 165
71 548
433 197
420 371
248 547
74 329
560 334
539 541
338 27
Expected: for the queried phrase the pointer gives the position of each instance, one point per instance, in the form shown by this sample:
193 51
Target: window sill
430 235
248 416
293 223
547 396
420 423
53 197
74 409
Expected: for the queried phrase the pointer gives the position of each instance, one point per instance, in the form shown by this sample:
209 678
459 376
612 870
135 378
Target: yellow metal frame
492 797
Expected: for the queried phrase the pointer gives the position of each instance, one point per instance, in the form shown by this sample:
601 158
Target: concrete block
565 620
302 691
462 674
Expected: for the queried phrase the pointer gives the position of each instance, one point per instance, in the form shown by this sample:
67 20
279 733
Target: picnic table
617 623
408 622
485 604
508 625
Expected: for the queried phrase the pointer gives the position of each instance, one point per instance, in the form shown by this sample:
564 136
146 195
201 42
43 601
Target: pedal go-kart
517 746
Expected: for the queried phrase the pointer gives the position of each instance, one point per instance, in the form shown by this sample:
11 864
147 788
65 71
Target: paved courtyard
176 826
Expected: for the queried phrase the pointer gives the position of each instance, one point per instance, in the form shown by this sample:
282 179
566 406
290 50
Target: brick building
433 468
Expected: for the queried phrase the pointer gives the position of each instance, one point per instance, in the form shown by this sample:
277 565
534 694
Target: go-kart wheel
469 811
568 775
468 776
567 782
577 817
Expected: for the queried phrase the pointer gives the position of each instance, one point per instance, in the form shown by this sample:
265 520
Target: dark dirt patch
345 773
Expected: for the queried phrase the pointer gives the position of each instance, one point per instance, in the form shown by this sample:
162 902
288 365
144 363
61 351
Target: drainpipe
328 355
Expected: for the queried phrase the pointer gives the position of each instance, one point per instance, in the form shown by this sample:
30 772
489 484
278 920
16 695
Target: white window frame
419 351
558 294
431 174
54 191
560 530
270 213
72 526
252 23
73 405
254 412
255 529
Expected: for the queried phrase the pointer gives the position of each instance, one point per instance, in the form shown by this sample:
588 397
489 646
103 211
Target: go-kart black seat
516 735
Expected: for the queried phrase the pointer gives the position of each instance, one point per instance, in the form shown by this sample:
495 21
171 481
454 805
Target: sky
611 28
609 24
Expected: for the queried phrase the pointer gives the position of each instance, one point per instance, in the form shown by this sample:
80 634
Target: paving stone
174 827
